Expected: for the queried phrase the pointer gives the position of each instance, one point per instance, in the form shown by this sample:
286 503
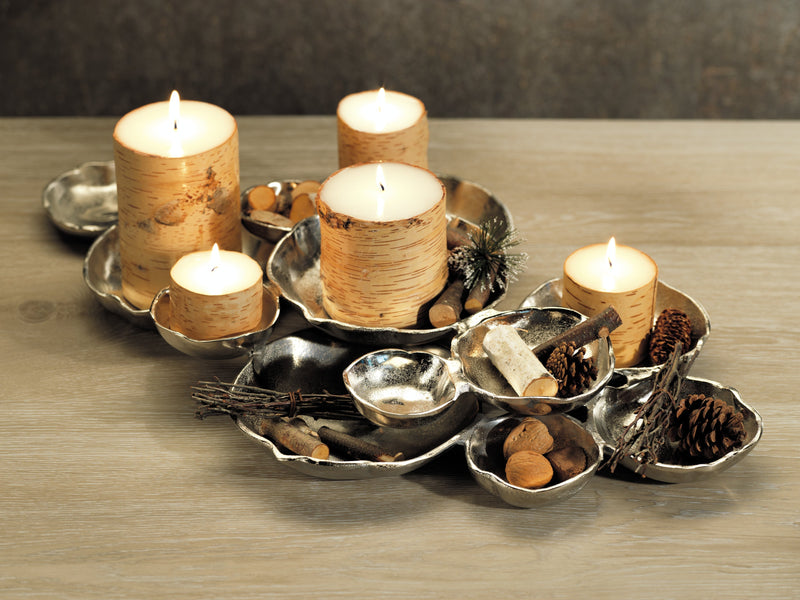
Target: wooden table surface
110 488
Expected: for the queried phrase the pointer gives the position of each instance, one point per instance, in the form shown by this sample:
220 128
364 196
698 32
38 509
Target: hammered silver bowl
484 450
312 362
103 276
616 406
535 325
266 231
550 294
294 267
83 200
217 348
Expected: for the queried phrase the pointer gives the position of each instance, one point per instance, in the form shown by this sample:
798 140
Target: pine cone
672 326
573 372
706 428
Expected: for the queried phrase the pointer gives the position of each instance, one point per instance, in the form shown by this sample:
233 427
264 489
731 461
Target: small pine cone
706 428
573 372
672 326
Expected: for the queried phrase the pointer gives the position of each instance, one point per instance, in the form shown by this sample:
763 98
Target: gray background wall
463 58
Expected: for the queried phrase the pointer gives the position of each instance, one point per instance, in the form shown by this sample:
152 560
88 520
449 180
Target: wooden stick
447 308
598 326
513 358
479 294
357 447
456 234
293 438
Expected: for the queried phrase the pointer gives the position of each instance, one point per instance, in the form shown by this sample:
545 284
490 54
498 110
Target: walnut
528 469
530 434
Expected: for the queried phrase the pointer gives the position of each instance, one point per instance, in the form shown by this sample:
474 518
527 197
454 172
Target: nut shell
530 434
567 462
528 469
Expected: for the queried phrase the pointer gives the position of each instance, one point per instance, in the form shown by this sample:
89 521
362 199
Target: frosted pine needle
487 260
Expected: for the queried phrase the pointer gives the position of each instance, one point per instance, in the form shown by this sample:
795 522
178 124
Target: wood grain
110 488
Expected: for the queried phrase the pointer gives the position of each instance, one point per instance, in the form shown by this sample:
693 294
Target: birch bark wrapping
169 207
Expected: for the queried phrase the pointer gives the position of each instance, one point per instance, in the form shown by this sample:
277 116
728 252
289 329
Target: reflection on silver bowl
550 292
294 267
615 408
536 325
226 347
83 201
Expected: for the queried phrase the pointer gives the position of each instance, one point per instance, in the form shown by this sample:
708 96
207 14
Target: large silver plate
83 201
550 294
294 267
615 408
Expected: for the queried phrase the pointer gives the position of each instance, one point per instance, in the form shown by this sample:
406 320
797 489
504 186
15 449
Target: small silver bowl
616 407
536 325
485 460
398 388
266 231
550 294
83 201
219 348
103 276
294 267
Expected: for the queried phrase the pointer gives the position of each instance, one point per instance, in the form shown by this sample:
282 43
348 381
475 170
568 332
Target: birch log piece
382 126
517 362
383 246
177 190
593 282
215 295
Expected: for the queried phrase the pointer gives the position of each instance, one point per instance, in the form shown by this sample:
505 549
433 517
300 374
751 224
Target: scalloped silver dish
550 294
218 348
83 200
102 274
536 325
294 267
615 408
310 361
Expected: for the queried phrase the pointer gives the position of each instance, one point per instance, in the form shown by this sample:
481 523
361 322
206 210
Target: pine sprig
487 260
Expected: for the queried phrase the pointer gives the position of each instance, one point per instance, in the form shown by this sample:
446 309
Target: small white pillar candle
383 246
603 275
215 294
177 172
377 125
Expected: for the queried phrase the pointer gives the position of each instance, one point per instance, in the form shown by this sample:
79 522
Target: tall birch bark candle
215 294
383 244
377 125
177 170
601 275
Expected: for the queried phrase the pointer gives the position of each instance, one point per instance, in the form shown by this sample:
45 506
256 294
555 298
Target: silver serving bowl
486 462
550 294
103 276
270 233
616 406
294 267
312 362
219 348
83 201
535 325
398 388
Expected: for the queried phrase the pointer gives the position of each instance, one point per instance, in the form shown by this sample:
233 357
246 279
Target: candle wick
383 189
214 268
610 264
175 125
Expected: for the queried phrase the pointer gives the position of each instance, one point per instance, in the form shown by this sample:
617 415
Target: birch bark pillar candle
177 170
377 125
215 294
383 244
601 275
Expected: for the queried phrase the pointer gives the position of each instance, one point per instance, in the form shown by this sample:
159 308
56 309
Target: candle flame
611 252
214 260
380 117
609 280
176 149
381 181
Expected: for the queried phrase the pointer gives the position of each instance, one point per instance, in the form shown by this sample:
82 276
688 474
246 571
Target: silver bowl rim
87 230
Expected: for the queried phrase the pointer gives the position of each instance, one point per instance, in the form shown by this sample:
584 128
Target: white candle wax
630 269
407 191
368 112
152 130
216 273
